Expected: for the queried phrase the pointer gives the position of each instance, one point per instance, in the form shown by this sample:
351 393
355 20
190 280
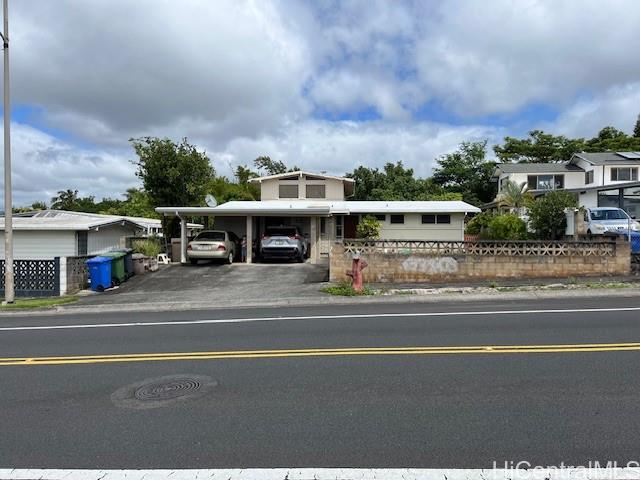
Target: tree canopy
173 174
467 172
539 146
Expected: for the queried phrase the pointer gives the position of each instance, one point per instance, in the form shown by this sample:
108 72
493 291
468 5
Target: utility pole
9 293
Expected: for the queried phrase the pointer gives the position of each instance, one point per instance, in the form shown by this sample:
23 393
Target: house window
588 177
316 191
82 243
545 182
430 218
288 191
397 218
339 227
380 217
624 174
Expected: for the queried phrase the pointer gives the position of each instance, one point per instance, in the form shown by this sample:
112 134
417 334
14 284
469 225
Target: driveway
217 284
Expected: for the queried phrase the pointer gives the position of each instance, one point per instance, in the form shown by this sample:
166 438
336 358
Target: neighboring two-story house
318 204
607 179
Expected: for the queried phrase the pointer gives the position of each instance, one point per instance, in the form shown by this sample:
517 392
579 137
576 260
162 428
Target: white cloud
482 58
618 106
43 165
339 147
241 78
140 67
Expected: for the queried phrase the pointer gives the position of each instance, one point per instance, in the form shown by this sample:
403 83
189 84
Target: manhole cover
162 391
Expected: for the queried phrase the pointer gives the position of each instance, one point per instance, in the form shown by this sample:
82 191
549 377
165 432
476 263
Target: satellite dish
211 201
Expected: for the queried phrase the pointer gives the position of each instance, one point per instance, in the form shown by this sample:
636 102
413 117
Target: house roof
608 158
66 223
562 167
319 208
300 173
97 217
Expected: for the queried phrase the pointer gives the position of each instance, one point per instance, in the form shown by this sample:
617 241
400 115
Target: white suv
608 221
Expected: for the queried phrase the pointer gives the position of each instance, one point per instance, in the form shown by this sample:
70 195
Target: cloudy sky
326 85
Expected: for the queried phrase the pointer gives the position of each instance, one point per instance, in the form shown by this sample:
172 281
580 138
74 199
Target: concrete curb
431 298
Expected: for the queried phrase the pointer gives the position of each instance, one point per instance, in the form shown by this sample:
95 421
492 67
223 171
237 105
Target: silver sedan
213 245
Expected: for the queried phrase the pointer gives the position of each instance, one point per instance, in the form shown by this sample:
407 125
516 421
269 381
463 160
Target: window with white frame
588 177
545 182
628 174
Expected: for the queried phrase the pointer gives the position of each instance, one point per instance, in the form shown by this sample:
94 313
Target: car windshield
282 231
211 236
608 215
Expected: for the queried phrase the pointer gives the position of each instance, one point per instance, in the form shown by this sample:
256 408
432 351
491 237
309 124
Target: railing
483 247
34 278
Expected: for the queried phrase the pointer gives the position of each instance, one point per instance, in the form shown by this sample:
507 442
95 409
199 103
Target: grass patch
346 290
39 302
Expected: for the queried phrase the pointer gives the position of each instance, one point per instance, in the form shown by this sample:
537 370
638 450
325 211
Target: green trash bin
118 273
128 260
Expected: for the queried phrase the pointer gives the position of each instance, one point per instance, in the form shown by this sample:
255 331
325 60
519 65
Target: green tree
546 214
172 174
636 129
244 174
271 167
393 182
224 190
539 147
38 206
514 195
508 226
610 139
479 223
136 204
466 171
65 200
368 227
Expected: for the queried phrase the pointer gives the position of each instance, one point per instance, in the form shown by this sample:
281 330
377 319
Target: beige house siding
107 238
41 245
269 189
414 229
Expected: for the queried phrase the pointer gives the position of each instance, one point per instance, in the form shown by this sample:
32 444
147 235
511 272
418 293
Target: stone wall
481 261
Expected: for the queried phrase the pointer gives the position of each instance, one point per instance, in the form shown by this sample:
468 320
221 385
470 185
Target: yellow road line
322 352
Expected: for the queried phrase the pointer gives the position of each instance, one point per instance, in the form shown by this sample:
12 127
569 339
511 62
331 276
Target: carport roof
319 208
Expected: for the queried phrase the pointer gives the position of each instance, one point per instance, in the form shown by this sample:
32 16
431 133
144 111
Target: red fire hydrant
355 273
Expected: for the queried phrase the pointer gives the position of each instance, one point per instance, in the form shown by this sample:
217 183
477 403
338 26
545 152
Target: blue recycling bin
635 239
99 273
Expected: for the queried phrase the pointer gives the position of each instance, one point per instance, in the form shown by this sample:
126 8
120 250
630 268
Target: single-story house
318 205
49 234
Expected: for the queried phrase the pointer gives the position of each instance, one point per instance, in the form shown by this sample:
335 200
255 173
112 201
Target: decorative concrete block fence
424 261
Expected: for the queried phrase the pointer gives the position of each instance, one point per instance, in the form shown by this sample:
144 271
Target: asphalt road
320 407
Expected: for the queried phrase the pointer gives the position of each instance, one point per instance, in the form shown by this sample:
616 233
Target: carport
250 218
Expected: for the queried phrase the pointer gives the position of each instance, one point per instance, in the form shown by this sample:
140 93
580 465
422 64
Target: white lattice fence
512 248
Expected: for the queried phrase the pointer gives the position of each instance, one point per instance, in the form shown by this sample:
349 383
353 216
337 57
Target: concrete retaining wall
416 266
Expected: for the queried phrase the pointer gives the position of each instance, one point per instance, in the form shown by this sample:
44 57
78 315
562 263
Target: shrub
368 227
149 247
547 216
506 227
479 223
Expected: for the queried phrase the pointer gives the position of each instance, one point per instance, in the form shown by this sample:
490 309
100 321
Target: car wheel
230 258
